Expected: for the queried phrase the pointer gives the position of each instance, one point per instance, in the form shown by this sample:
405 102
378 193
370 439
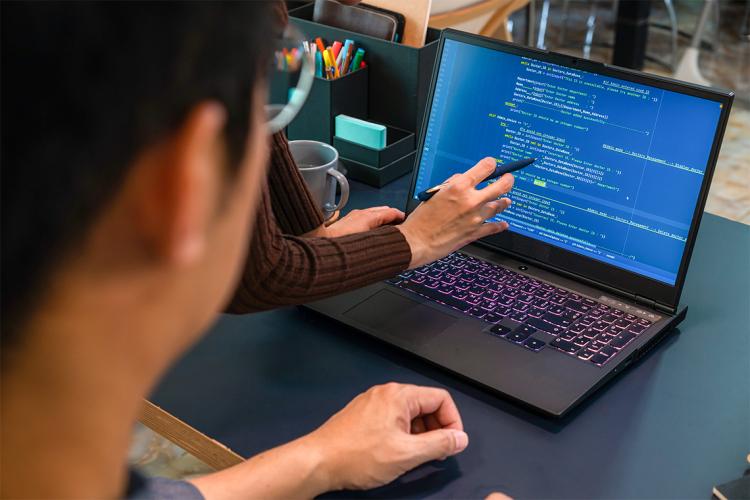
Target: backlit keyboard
584 328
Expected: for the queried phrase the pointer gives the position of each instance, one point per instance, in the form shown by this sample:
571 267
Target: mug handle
344 185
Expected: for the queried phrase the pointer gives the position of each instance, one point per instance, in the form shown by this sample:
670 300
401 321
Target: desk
674 425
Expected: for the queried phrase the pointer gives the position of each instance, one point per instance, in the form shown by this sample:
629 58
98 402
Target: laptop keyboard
584 328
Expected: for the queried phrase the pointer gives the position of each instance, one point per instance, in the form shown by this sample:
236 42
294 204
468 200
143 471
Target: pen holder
328 98
399 74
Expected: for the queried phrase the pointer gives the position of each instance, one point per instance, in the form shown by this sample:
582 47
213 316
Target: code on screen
620 165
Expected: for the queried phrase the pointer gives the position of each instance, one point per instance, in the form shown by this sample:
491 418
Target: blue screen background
619 165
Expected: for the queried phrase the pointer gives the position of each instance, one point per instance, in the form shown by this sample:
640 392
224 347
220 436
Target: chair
497 13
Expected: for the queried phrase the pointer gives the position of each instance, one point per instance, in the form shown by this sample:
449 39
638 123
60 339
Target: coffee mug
318 164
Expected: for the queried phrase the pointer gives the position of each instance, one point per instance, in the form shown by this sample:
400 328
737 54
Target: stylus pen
499 170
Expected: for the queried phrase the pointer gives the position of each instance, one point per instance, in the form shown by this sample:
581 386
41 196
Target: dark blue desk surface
672 426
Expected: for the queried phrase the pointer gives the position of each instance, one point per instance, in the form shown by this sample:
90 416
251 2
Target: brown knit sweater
284 268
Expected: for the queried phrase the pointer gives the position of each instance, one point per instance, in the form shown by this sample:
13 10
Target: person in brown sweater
294 258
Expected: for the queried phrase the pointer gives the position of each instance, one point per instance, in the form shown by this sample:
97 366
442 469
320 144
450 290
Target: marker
328 63
347 63
318 64
319 44
340 59
336 48
499 170
332 64
358 58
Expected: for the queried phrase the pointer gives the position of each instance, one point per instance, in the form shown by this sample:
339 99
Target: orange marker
319 43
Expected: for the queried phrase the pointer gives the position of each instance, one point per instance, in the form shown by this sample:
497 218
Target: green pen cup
344 95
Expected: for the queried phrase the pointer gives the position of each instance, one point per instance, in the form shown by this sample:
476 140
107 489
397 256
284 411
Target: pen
499 170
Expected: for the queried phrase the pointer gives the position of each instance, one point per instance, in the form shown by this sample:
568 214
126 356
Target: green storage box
378 176
400 143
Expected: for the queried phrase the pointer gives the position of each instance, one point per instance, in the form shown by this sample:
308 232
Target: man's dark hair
86 87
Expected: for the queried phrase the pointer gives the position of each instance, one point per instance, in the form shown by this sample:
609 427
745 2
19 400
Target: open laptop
589 275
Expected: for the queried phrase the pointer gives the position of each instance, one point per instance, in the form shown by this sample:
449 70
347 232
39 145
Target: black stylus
499 170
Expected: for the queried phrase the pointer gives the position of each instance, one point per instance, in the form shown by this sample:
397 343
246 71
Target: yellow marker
331 63
327 61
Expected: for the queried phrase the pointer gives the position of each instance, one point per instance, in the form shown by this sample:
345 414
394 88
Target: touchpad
400 318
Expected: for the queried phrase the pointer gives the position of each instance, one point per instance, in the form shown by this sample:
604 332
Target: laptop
588 276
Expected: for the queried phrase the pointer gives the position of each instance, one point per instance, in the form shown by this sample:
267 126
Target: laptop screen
619 164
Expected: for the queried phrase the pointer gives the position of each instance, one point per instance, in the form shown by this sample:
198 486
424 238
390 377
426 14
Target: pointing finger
480 171
497 188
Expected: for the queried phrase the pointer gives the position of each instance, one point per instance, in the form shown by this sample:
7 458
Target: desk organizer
399 144
399 74
378 176
399 81
328 98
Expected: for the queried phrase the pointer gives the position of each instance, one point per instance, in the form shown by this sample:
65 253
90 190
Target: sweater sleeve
283 269
294 207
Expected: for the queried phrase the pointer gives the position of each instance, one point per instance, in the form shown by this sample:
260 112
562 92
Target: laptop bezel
632 285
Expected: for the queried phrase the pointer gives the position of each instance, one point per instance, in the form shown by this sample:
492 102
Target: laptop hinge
665 309
652 304
644 301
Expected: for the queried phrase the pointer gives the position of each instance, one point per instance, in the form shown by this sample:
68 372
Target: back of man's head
85 88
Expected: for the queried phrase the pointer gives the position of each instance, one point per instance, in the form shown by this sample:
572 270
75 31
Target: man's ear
180 186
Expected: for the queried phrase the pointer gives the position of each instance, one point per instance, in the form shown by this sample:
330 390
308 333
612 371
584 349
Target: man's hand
381 434
456 215
387 431
359 221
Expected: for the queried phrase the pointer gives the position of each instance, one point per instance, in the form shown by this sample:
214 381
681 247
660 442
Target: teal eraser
371 135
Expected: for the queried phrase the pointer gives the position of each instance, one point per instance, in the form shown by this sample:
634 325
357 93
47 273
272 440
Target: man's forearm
293 470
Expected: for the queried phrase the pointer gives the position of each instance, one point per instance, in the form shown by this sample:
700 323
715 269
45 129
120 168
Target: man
133 153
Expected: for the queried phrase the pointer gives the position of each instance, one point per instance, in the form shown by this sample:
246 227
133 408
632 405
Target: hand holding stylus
505 168
456 214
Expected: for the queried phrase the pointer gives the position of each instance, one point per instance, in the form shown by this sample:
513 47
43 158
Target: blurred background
701 41
581 27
